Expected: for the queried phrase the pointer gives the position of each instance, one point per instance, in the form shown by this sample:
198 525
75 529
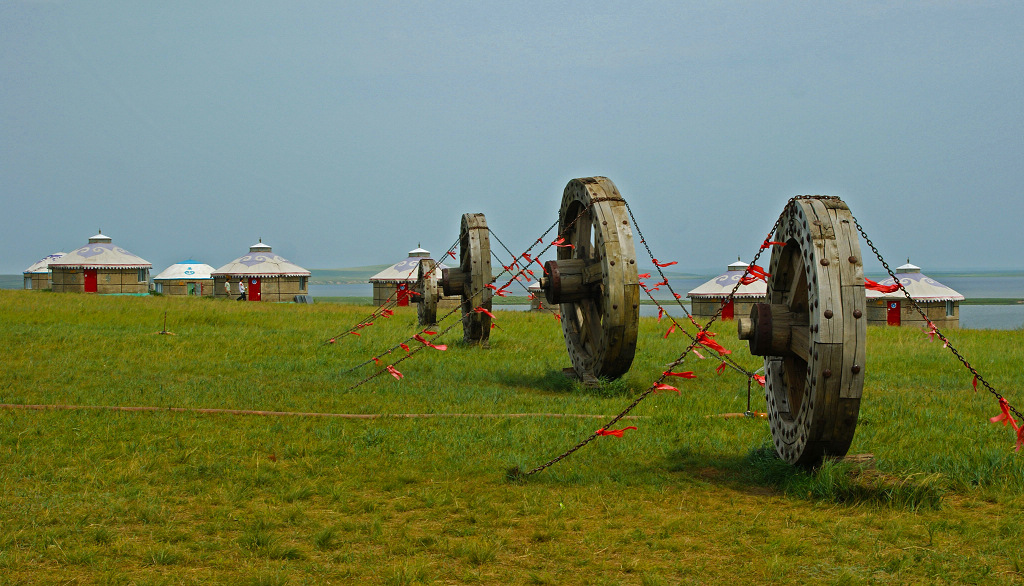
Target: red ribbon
750 279
387 313
678 296
1005 416
661 312
687 374
452 253
1020 438
664 264
615 432
759 378
869 284
662 282
704 340
376 360
482 310
771 243
423 341
697 354
394 372
664 387
355 333
671 329
498 292
974 383
404 346
644 276
363 325
332 340
429 333
720 368
758 272
557 316
561 243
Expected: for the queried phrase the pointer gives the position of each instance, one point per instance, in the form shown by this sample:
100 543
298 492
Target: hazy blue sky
346 133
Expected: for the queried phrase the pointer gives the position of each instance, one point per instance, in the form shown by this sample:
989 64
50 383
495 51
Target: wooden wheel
429 292
470 280
595 279
812 332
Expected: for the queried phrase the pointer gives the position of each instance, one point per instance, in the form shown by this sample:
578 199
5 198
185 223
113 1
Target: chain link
935 328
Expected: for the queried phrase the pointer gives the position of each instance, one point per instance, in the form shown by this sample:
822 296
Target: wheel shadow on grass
761 471
558 383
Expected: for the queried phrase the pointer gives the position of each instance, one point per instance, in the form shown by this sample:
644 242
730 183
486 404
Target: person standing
241 289
227 287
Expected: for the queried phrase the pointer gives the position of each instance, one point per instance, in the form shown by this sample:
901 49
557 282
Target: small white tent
37 276
188 277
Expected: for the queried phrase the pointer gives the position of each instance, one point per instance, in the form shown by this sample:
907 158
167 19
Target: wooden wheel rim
813 404
601 331
429 292
475 262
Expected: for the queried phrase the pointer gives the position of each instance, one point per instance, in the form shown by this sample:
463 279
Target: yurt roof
406 270
42 265
186 270
261 262
100 253
920 286
722 285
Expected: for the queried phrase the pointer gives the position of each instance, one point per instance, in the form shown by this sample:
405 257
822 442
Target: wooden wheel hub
471 278
595 279
812 332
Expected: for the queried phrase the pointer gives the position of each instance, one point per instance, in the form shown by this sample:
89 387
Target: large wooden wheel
470 280
429 292
812 331
594 280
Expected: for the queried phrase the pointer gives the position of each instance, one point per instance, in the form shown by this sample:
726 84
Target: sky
345 134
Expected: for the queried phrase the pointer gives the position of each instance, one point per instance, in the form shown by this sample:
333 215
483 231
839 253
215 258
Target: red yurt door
254 289
892 314
403 294
727 310
90 280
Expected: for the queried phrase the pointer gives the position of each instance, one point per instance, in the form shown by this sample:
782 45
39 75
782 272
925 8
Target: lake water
994 317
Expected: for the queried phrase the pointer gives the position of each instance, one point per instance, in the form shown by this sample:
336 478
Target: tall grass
92 495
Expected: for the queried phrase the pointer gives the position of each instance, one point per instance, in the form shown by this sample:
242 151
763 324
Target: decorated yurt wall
396 282
267 276
708 298
101 267
940 304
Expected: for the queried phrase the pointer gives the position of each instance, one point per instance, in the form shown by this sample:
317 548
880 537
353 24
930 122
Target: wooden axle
571 279
453 281
774 330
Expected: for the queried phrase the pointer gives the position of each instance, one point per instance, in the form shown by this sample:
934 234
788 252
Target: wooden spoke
429 292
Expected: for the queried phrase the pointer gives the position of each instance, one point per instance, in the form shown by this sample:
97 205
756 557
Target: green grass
148 497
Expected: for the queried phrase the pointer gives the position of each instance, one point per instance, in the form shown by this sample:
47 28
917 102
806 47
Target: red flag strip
394 372
355 333
772 243
664 387
704 340
482 310
332 340
557 316
720 368
429 332
758 272
404 346
664 264
869 284
687 374
750 279
1005 416
423 341
451 253
531 296
499 292
1020 438
561 243
363 325
376 360
661 312
615 432
671 329
759 378
644 276
697 354
974 383
662 282
678 296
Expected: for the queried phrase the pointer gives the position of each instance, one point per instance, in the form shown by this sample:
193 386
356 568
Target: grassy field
98 496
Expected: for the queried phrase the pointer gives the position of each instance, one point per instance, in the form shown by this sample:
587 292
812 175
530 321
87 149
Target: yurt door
403 294
191 288
254 289
892 315
90 280
727 310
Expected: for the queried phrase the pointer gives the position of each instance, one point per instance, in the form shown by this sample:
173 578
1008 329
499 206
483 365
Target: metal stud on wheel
812 331
595 280
470 280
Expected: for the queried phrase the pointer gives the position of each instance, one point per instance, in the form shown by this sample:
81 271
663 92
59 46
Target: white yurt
37 276
188 277
396 281
708 298
101 267
267 276
940 303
